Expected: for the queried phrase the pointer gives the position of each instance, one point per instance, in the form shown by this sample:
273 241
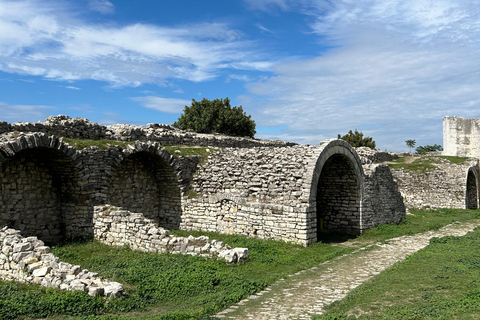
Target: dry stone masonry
29 260
118 227
449 185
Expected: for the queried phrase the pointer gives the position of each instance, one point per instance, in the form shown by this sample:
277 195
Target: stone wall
461 137
442 187
278 193
29 260
287 193
81 128
383 202
118 227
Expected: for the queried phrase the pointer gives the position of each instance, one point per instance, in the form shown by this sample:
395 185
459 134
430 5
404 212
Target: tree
410 143
356 139
428 148
216 116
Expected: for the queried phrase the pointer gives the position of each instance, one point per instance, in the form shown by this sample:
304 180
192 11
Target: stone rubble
81 128
119 227
29 260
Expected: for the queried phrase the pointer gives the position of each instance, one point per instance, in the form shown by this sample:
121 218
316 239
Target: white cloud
44 39
166 105
399 67
102 6
26 113
73 88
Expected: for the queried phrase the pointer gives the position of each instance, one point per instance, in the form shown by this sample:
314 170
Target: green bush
216 116
356 139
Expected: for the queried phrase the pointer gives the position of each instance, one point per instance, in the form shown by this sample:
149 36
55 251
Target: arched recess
337 190
41 193
144 182
472 192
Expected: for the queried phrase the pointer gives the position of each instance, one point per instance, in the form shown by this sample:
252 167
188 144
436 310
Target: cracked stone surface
307 292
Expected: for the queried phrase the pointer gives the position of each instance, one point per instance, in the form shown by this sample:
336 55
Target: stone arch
146 180
41 192
336 192
472 191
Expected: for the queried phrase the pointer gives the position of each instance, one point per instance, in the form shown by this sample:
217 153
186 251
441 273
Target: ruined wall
81 128
41 190
287 193
461 137
383 202
27 259
442 187
119 227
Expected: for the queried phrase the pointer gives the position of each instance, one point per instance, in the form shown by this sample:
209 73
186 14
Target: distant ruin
461 137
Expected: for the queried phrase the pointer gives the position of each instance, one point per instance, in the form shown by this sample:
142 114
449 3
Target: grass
441 281
183 151
188 287
80 144
424 163
176 151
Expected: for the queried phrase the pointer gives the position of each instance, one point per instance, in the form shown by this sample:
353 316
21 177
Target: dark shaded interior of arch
41 195
338 199
472 191
144 183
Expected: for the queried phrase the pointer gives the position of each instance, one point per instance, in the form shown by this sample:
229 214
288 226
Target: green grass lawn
170 286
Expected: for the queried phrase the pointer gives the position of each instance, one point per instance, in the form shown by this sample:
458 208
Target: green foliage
80 144
216 116
356 139
410 143
428 148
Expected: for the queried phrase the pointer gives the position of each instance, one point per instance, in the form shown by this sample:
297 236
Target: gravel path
306 293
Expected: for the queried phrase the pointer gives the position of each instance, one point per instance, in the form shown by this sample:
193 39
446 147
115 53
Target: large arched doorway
472 191
41 194
338 199
145 183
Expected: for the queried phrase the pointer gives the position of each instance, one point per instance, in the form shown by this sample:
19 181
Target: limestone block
113 290
41 272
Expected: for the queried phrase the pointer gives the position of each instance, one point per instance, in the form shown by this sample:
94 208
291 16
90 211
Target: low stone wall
118 227
81 128
29 260
443 187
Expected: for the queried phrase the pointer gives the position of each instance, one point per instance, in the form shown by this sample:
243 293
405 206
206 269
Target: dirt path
306 293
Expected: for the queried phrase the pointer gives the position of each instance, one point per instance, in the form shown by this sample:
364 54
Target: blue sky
305 70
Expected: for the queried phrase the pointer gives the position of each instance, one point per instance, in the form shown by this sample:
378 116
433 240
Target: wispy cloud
41 38
167 105
73 88
102 6
19 112
396 70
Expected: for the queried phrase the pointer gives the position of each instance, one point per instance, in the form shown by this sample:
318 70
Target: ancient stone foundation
29 260
118 227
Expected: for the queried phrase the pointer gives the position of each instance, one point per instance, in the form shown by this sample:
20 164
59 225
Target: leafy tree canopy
216 116
356 139
428 148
